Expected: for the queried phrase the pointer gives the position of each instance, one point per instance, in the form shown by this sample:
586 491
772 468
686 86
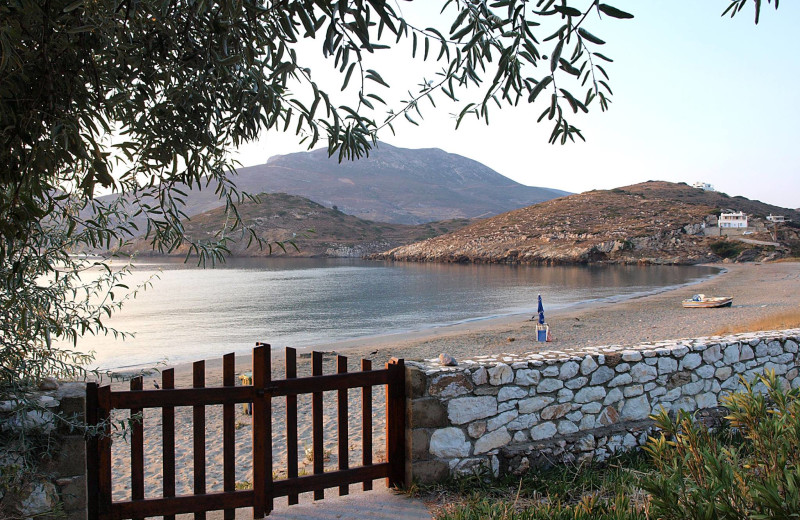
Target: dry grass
786 320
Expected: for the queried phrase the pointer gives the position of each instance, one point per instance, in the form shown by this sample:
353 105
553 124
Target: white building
703 186
732 220
776 218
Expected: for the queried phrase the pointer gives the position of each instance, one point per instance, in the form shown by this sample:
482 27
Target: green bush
727 249
751 470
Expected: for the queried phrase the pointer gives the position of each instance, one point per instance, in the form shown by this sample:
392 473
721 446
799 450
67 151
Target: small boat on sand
701 301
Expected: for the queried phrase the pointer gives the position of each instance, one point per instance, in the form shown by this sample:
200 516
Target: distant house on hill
703 186
733 220
777 218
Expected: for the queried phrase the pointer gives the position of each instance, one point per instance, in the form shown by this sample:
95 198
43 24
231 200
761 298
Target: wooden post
92 459
199 435
262 431
291 423
104 452
395 423
168 440
341 404
366 424
137 446
317 440
229 433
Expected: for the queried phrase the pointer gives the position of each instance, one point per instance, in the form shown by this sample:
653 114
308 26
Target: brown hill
313 228
652 222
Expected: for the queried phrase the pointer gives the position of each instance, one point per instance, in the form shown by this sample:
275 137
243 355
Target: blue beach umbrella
540 310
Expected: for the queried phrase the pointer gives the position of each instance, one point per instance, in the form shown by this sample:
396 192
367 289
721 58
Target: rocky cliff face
617 226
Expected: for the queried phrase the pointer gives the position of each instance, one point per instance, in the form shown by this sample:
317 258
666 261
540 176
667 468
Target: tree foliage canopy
148 97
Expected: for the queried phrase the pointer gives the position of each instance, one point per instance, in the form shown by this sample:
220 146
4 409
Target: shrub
727 249
751 470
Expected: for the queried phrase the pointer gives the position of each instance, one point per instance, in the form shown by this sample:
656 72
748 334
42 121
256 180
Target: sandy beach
759 291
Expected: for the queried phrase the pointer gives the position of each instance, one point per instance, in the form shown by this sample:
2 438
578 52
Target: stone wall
61 485
507 413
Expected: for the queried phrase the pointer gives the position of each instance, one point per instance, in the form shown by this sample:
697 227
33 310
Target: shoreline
759 291
481 324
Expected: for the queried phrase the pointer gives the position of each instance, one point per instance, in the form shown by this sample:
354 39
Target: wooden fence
101 400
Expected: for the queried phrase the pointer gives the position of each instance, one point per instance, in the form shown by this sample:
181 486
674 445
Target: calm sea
192 313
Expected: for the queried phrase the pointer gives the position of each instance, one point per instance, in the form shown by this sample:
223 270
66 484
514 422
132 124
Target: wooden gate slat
137 446
262 431
168 440
199 435
92 459
331 479
395 423
316 424
229 433
291 423
344 463
366 424
104 452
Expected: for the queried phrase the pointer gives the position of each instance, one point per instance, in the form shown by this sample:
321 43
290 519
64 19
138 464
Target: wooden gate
102 400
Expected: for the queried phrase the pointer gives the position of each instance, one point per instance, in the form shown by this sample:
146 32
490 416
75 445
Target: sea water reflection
192 313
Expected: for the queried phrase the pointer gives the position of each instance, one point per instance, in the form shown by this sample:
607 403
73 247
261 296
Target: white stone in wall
636 409
492 440
534 404
778 369
620 380
631 356
708 400
691 361
693 388
549 385
500 374
790 346
578 382
528 377
658 391
476 429
465 409
623 367
588 422
511 392
641 373
501 420
712 354
705 371
667 365
774 348
575 416
507 405
731 354
523 422
629 441
520 437
567 427
565 395
614 395
685 403
633 390
594 407
550 371
589 394
602 375
783 358
568 370
543 431
747 353
447 443
588 365
480 376
679 351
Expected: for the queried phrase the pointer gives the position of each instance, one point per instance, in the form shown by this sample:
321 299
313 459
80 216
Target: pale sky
697 97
